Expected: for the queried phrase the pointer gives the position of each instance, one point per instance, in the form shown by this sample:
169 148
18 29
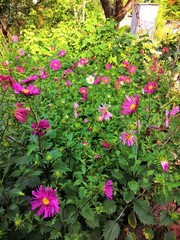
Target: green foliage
111 230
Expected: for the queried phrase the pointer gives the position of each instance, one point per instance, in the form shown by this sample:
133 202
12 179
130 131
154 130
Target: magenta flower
165 165
31 78
132 69
165 50
68 83
174 111
167 119
21 114
62 53
128 139
97 80
75 111
43 73
104 111
46 200
150 87
85 120
127 79
108 66
82 62
105 144
39 129
83 91
30 90
108 189
105 80
15 38
55 64
130 104
20 69
125 64
21 51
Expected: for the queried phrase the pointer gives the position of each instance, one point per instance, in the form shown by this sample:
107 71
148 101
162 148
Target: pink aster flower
174 111
105 80
62 53
55 64
108 66
21 51
128 138
108 189
125 64
43 73
165 165
20 69
39 129
21 114
68 83
15 38
132 69
46 200
98 80
83 90
104 111
150 87
82 62
105 144
30 90
31 78
130 104
127 79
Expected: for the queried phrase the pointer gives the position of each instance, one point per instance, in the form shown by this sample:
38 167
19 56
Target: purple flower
46 200
30 90
30 79
39 129
174 111
104 111
130 104
62 53
108 189
150 87
108 66
55 65
165 165
128 139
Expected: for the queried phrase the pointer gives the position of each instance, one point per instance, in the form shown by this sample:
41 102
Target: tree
117 9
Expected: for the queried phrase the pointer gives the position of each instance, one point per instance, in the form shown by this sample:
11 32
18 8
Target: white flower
90 79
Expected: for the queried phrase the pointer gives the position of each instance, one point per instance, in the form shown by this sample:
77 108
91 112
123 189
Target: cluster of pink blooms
30 90
82 62
122 80
20 69
155 67
105 114
128 138
21 113
84 92
55 64
173 112
108 189
130 104
46 200
150 87
131 69
6 82
66 72
40 128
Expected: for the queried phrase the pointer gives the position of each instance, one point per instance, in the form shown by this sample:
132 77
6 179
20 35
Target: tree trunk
117 10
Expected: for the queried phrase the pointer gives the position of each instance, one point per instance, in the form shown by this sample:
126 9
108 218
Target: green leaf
165 218
131 236
148 233
144 212
128 196
133 185
91 220
109 206
132 220
170 236
55 234
111 230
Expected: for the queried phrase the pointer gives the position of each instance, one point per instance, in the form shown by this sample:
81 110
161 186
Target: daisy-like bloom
21 51
174 111
130 104
125 64
62 53
82 62
128 138
30 90
55 64
127 79
167 119
108 189
150 87
105 144
39 129
15 38
105 80
90 79
165 165
21 114
43 73
104 111
132 69
165 50
46 200
68 83
108 66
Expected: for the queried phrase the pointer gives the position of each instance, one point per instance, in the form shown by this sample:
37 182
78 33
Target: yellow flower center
133 106
104 111
150 87
25 90
55 64
45 201
82 91
129 137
